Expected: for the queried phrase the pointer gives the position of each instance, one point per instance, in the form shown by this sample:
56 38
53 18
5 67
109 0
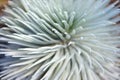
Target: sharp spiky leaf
61 40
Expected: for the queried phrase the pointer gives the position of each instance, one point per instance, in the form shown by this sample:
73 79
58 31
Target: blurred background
2 2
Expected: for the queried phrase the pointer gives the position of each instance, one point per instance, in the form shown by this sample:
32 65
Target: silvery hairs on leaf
61 40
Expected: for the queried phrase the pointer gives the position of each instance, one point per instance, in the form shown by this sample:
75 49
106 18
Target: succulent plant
61 40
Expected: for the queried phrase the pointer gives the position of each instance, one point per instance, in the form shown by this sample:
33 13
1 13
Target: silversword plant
61 40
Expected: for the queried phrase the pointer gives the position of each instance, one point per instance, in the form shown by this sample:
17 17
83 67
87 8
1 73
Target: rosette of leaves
61 40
